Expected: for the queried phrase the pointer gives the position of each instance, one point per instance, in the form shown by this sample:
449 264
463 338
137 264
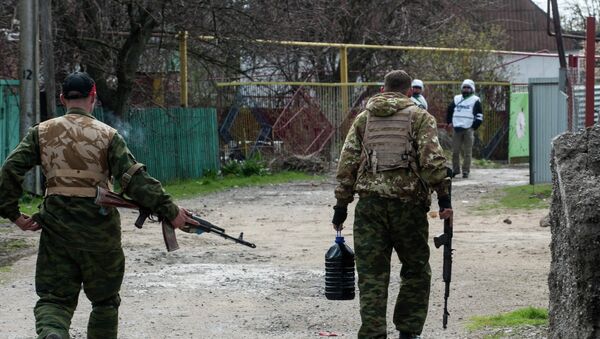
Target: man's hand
446 213
27 224
339 216
183 217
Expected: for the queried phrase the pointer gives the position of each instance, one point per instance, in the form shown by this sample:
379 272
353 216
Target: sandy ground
212 288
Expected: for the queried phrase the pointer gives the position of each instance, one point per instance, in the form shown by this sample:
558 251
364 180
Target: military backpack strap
126 178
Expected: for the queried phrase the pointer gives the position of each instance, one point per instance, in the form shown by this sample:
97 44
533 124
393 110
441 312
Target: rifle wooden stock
107 198
169 236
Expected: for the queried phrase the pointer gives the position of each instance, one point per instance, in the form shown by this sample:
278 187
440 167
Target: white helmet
417 83
469 83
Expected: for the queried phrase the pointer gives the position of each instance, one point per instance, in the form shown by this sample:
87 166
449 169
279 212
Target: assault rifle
445 239
107 198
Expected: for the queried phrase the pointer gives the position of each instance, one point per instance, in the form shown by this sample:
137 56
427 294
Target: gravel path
211 288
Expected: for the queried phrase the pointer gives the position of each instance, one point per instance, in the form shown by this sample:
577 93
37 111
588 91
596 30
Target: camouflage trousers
59 276
380 226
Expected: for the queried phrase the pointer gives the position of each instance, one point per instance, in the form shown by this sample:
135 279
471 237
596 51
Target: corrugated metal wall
548 118
175 144
9 117
579 105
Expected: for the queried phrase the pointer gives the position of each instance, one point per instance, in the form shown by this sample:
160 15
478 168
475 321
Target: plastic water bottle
339 271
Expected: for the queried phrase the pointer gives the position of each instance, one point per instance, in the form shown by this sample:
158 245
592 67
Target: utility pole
47 42
590 70
28 74
562 75
559 38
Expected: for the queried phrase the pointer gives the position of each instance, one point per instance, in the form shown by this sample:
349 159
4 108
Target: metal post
559 39
572 61
183 67
29 85
28 74
335 146
47 41
344 77
590 66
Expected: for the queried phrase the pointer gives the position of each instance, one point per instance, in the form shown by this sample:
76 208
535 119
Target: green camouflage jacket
403 184
74 221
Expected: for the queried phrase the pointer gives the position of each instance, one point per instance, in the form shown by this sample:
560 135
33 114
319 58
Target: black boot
404 335
53 336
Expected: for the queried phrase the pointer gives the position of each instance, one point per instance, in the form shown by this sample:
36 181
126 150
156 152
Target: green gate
9 117
174 143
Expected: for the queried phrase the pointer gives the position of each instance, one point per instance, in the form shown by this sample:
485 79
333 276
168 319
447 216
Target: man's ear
62 100
92 101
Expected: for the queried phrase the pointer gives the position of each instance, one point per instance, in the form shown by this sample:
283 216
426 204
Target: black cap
78 85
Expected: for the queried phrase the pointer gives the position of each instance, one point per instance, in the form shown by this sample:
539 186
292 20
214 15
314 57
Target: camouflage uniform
392 214
80 242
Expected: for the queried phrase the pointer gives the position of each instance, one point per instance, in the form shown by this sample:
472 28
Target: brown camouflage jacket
78 222
405 184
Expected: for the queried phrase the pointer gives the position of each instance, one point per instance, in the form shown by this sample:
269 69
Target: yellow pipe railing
390 47
350 84
344 77
183 68
183 37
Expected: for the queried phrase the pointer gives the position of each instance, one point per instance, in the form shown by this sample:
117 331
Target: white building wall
522 68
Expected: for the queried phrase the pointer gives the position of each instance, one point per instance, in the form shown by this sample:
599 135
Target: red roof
525 24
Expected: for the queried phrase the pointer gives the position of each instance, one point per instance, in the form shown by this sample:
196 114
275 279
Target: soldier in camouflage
393 160
80 243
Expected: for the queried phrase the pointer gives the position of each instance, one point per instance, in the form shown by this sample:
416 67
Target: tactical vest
74 155
388 141
463 111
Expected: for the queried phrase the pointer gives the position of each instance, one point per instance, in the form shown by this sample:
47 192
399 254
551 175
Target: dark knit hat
78 85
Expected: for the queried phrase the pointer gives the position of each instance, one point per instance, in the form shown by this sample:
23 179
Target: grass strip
525 316
526 197
202 186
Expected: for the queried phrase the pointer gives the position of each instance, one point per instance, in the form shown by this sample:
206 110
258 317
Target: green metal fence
9 117
174 143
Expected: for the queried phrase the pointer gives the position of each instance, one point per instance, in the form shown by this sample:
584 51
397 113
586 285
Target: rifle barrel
209 227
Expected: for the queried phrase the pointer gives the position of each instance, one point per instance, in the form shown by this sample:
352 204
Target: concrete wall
574 279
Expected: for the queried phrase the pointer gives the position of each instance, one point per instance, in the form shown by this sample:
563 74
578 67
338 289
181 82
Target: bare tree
9 48
89 36
383 22
576 11
115 39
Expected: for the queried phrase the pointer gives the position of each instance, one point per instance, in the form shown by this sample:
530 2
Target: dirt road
211 288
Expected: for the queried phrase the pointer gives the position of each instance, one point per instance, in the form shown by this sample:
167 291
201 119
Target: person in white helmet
465 115
417 94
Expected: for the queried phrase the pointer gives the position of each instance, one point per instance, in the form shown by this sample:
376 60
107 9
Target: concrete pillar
574 279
